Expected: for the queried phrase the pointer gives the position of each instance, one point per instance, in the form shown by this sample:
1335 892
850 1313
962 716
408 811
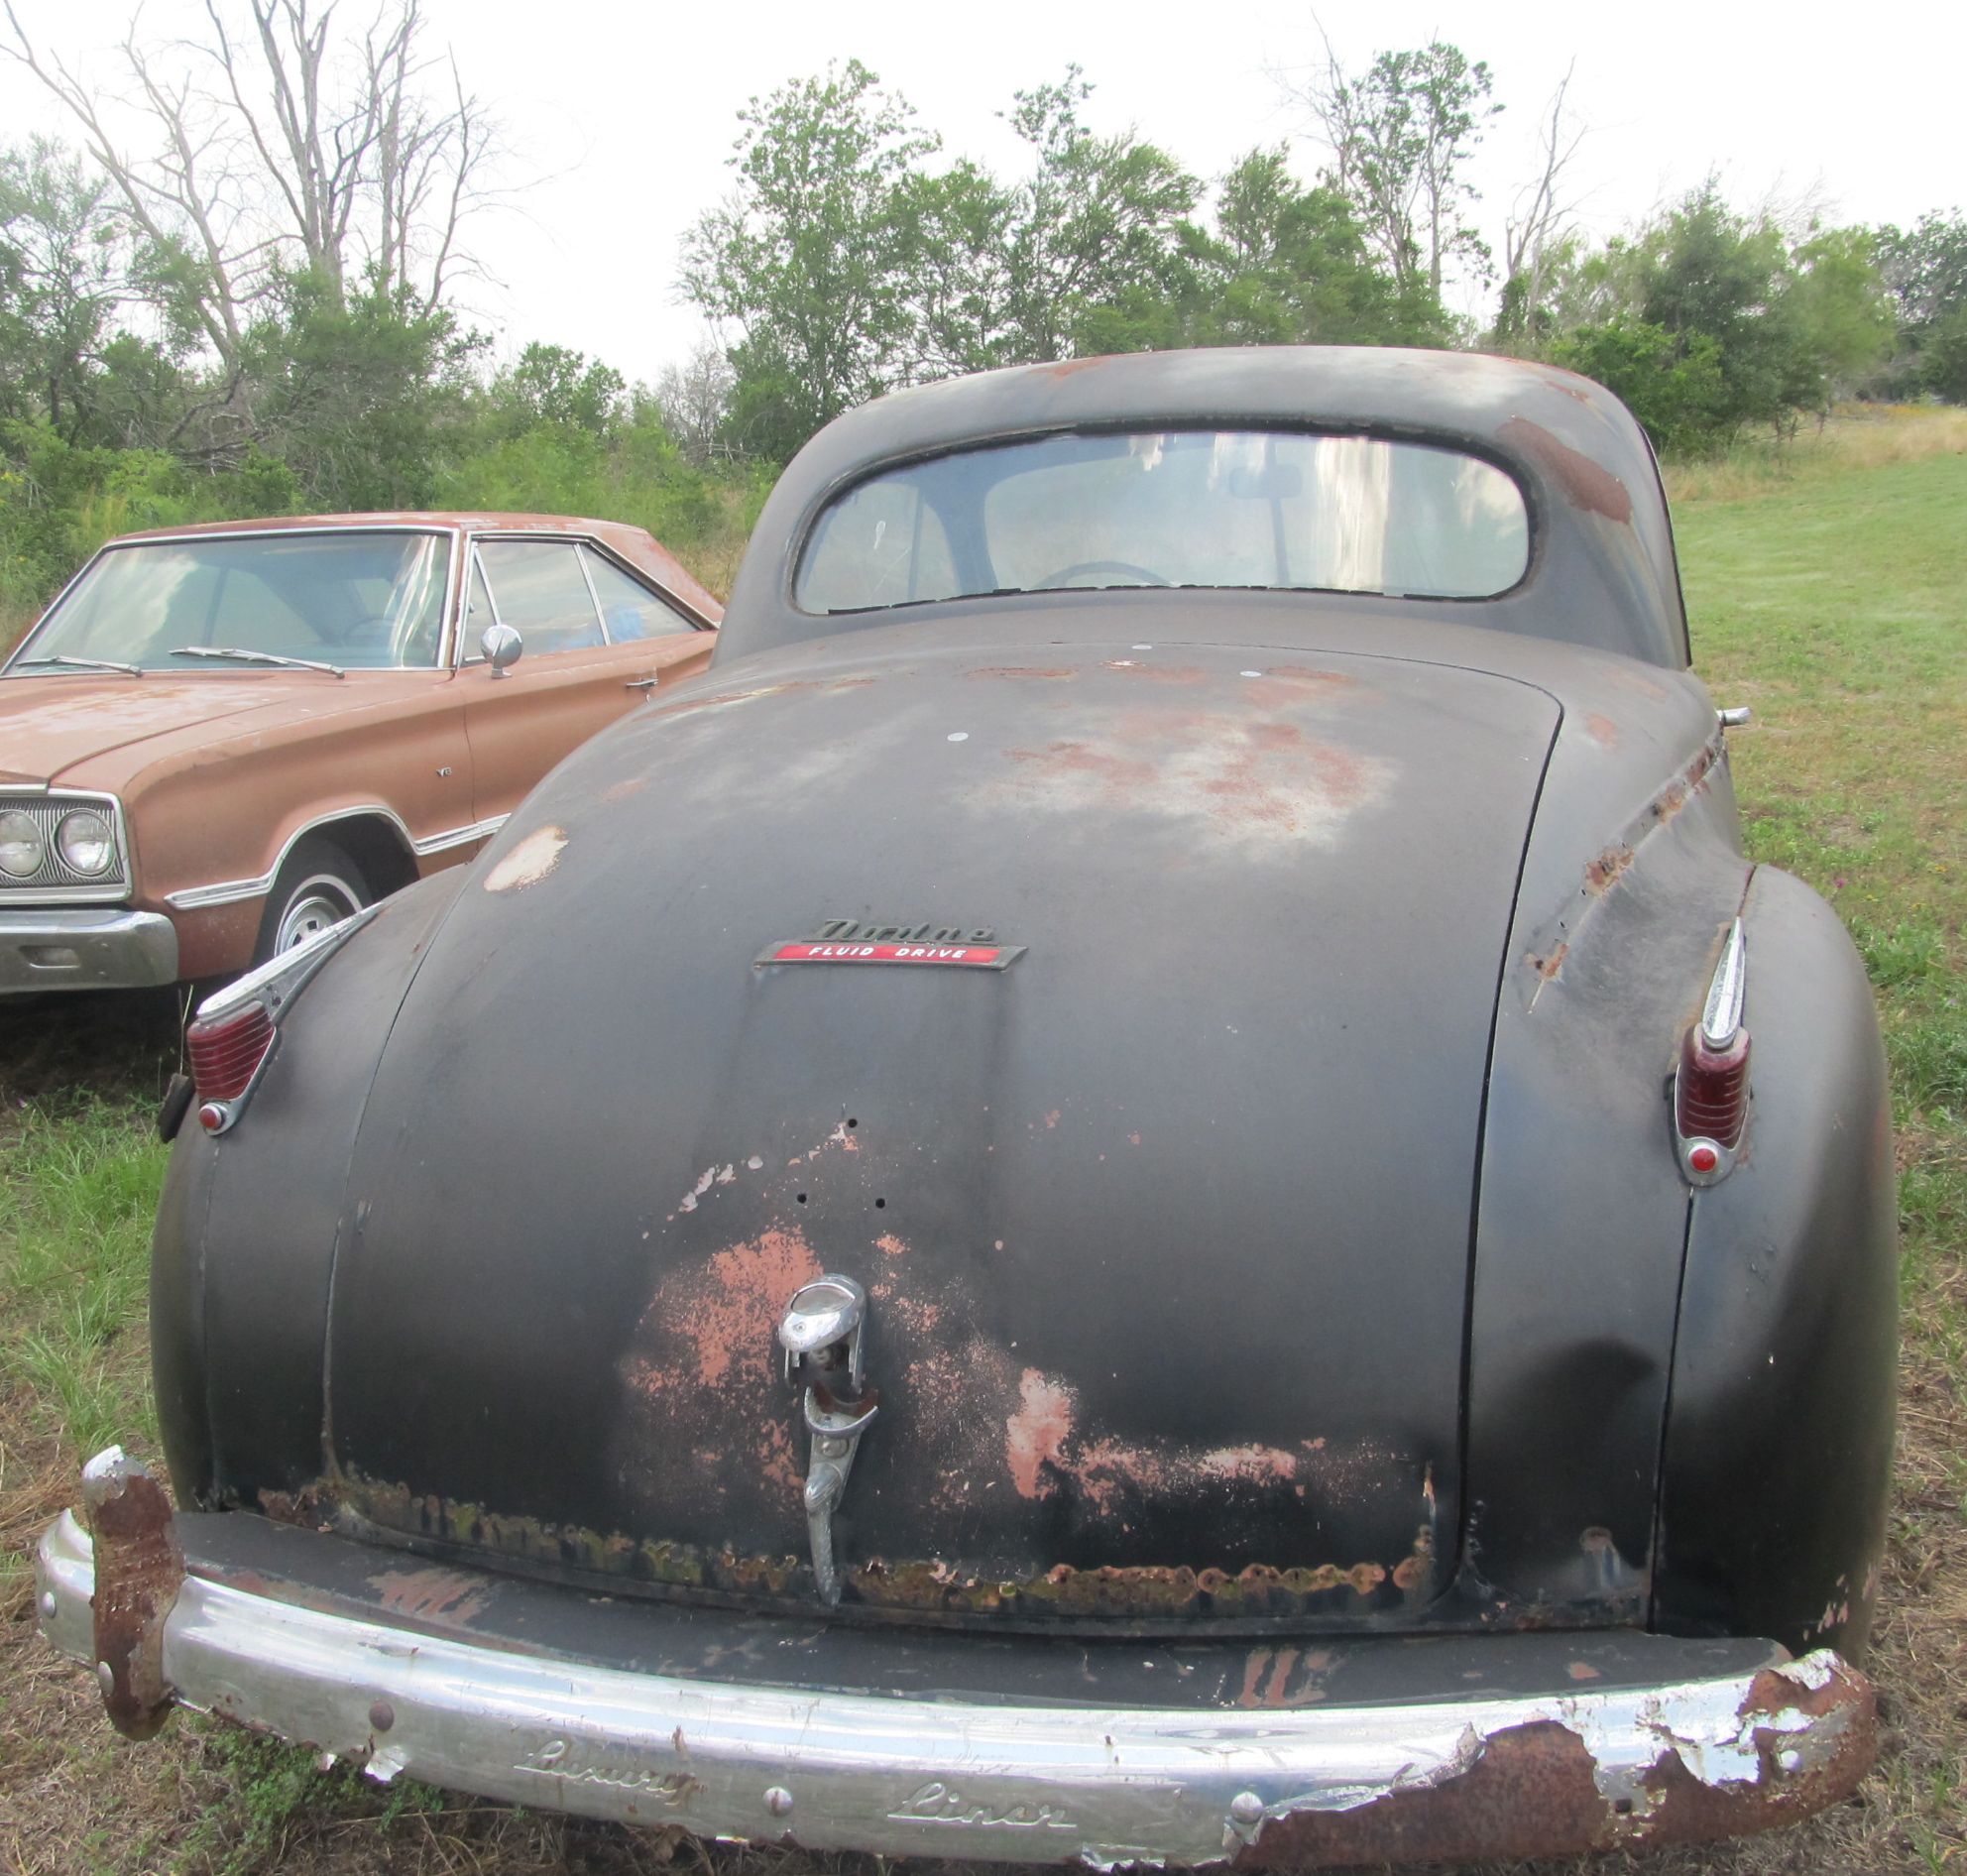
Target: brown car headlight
22 848
87 842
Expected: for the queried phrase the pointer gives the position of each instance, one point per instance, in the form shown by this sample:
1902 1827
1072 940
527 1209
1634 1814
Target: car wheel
318 887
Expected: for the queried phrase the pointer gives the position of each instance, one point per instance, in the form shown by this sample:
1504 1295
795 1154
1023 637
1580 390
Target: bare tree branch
307 152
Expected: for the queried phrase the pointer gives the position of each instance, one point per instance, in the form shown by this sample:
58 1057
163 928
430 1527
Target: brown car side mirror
501 647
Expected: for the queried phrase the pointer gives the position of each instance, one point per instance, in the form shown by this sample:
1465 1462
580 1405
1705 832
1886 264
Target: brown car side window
630 609
477 614
541 593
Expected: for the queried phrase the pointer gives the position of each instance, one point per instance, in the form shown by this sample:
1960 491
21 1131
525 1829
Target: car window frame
583 544
844 487
191 537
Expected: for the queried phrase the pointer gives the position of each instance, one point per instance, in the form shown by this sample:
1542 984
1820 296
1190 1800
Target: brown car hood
98 731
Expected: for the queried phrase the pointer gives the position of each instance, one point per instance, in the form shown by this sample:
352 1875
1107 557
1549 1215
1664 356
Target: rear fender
1779 1444
247 1235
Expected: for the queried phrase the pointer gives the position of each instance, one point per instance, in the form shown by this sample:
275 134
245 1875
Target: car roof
636 545
1603 569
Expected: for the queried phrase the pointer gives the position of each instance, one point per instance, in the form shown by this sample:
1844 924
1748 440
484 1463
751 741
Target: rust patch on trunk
1583 483
1036 1434
1157 673
1602 729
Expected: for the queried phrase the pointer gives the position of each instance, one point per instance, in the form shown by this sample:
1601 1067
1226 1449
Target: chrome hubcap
314 909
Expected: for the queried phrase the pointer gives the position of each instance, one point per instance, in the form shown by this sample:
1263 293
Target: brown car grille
46 812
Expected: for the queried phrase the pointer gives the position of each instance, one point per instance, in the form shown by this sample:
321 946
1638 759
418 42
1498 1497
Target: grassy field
1828 590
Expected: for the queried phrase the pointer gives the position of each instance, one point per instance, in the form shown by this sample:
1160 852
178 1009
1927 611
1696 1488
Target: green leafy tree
550 384
1401 136
1671 382
356 393
63 263
1291 266
1925 271
810 258
1101 220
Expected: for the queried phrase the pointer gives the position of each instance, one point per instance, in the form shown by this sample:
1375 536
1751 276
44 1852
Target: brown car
220 740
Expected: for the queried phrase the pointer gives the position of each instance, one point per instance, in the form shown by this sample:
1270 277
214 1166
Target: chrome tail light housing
233 1035
1712 1078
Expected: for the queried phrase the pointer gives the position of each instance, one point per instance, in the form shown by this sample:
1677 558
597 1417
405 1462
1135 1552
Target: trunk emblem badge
820 1335
845 941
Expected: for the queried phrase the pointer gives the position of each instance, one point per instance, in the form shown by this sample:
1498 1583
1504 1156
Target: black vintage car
1151 1185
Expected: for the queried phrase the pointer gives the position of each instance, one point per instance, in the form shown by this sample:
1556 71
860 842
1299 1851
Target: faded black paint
1163 1221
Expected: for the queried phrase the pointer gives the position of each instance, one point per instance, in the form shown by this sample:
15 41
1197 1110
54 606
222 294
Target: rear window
1171 508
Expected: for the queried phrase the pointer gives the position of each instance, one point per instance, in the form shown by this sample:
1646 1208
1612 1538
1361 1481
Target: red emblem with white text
846 941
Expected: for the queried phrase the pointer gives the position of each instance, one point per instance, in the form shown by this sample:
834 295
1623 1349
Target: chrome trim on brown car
231 891
54 884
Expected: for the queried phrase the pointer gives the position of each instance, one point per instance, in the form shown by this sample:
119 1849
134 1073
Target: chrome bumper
943 1776
85 948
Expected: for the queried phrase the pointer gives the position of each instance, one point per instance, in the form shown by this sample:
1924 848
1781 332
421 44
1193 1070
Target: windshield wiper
82 664
256 657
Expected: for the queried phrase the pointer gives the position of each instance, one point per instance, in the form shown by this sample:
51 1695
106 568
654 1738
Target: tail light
233 1034
1711 1080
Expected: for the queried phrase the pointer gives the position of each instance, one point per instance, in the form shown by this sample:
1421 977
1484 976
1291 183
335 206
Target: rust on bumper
139 1569
1514 1746
1799 1742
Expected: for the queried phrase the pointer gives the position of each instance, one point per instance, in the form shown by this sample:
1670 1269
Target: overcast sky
621 116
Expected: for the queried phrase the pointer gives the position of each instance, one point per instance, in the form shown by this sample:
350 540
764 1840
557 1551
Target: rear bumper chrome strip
1005 1781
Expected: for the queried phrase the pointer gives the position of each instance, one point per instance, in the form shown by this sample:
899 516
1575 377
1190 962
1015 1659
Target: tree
1925 271
1400 136
281 151
1534 235
1708 321
693 401
551 385
62 280
1101 219
1289 265
811 256
356 392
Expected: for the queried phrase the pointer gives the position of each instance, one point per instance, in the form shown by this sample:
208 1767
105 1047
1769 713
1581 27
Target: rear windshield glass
1171 508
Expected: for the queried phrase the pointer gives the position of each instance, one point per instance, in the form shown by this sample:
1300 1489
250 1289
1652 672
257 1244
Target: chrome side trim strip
902 1776
230 891
459 836
195 898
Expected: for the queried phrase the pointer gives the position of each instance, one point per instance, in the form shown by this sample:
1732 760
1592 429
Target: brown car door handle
641 683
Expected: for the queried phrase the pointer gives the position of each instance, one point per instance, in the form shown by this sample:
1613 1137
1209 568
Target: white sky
622 115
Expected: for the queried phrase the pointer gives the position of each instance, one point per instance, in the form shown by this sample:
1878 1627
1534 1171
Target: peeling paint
528 863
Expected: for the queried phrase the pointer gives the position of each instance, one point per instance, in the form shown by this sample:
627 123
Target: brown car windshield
352 599
1171 508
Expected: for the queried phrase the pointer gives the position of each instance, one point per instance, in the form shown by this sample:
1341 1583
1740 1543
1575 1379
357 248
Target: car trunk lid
1164 1226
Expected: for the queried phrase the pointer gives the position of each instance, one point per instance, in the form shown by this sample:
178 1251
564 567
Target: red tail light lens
227 1050
235 1028
1711 1079
1711 1091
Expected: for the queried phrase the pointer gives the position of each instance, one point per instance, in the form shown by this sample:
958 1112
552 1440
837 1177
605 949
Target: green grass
1828 591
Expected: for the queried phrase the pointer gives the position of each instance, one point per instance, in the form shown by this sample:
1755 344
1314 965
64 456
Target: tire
318 885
